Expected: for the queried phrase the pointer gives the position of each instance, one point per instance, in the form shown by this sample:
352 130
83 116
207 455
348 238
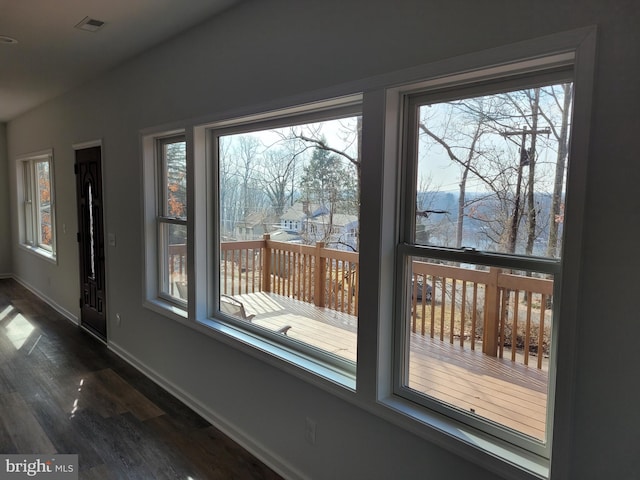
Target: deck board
506 392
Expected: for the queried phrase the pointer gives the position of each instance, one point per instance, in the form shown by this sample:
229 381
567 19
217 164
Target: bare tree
229 188
276 174
562 100
465 163
247 160
469 134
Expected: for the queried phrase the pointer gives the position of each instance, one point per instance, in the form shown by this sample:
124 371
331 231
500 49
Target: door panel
91 240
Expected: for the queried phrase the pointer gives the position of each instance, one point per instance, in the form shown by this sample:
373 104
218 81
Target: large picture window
288 220
38 204
481 249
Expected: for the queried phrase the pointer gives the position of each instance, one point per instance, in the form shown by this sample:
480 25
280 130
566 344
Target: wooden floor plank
99 472
128 398
21 426
61 391
59 423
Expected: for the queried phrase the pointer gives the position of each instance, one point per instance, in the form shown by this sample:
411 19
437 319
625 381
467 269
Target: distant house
254 226
339 232
296 217
314 223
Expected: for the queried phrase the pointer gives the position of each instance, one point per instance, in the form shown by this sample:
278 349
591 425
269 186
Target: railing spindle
433 306
423 305
543 309
504 313
527 329
253 271
474 316
442 304
224 266
414 300
452 325
356 288
463 316
514 325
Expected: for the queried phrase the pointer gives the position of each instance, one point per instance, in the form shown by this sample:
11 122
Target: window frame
164 220
409 248
154 198
338 369
30 221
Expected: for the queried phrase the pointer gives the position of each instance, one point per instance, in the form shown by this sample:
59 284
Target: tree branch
453 156
322 145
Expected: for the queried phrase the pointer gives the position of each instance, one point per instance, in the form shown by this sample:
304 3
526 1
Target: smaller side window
37 204
172 219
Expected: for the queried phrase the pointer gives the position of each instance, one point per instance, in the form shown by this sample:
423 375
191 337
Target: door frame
82 146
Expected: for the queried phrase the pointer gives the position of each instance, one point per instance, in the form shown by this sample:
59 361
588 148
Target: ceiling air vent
90 24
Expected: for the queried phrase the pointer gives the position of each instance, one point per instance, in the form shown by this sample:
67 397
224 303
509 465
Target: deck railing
313 274
177 267
501 313
504 312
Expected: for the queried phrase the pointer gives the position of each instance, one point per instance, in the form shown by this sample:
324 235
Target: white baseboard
263 454
58 308
5 275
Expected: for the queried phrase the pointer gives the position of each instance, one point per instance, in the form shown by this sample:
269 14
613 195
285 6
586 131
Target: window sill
40 252
480 448
303 366
166 309
307 368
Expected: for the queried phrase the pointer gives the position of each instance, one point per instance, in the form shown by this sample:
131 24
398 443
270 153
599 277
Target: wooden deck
502 391
327 329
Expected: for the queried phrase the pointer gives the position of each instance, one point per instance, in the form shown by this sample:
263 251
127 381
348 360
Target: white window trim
154 299
162 219
510 261
379 225
330 366
22 163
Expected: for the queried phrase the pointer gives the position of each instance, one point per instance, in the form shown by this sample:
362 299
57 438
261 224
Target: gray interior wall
5 224
269 49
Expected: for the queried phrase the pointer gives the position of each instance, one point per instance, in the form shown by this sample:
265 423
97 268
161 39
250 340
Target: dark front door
91 240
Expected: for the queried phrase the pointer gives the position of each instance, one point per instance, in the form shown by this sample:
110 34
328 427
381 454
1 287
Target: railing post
266 264
491 314
318 294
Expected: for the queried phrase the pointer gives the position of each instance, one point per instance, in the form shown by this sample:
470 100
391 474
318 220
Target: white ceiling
52 56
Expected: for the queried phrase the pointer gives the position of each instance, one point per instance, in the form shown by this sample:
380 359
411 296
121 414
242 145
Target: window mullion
172 220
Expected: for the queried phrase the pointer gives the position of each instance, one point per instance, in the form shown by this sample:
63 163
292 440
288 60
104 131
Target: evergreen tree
327 181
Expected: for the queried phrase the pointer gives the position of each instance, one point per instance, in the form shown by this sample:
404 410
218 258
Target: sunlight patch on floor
18 330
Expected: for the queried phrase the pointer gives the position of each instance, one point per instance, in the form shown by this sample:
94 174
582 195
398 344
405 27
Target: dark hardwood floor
62 391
